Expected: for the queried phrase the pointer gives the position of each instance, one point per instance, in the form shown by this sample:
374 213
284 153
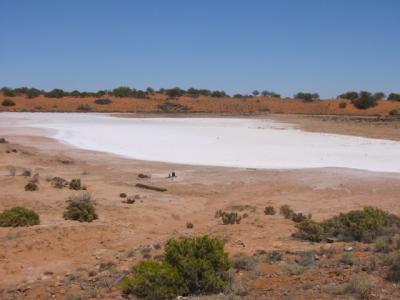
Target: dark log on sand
150 187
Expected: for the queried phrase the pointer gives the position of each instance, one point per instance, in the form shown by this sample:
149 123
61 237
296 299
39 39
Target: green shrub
394 97
360 225
366 100
309 230
75 184
8 102
286 211
201 261
155 280
80 208
18 216
348 259
306 97
31 187
269 210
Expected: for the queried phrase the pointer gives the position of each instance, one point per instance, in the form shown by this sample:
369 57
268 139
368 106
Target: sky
285 46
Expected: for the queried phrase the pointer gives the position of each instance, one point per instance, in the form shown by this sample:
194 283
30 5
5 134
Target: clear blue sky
235 45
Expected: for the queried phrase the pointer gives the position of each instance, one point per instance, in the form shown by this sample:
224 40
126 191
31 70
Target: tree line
362 99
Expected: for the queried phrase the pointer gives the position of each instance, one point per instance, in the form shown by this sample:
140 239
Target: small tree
307 97
266 93
55 93
33 93
255 93
365 100
394 97
122 91
349 95
8 92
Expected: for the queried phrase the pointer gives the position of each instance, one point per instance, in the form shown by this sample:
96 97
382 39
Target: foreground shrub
59 182
192 266
269 210
155 280
201 261
31 187
244 262
8 102
80 208
18 216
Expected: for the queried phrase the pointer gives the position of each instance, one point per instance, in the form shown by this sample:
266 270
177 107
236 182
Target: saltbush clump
269 210
75 184
286 211
228 217
31 187
196 265
358 225
18 216
80 208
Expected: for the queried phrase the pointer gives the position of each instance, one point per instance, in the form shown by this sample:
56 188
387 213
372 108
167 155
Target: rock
348 248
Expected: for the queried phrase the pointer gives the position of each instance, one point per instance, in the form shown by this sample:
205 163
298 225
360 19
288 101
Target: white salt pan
250 143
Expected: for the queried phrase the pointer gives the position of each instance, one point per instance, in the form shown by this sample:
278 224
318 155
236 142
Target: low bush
228 217
394 269
192 266
80 208
358 225
102 101
18 216
84 108
59 182
155 280
348 259
274 256
269 210
3 141
8 102
310 230
75 184
31 187
244 262
294 269
299 217
286 211
189 225
362 285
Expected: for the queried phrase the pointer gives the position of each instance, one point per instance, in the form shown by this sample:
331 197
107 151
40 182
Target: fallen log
151 187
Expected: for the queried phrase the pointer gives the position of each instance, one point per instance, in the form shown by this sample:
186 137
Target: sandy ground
58 247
